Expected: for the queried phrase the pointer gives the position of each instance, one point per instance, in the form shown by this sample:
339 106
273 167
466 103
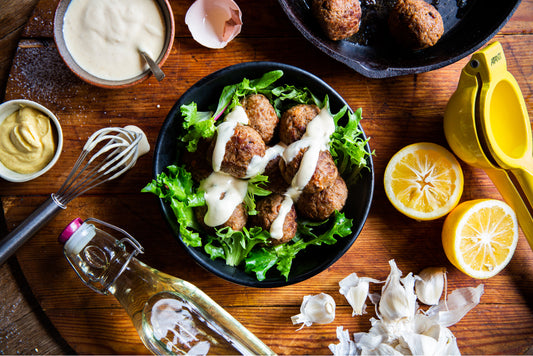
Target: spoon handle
158 73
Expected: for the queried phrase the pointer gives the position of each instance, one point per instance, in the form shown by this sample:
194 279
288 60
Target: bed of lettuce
249 248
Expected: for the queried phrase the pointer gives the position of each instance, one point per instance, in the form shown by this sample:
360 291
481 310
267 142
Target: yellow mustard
27 141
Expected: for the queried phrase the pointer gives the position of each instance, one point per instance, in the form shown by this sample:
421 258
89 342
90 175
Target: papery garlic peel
318 308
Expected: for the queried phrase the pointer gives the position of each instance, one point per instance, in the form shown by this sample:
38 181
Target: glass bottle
171 315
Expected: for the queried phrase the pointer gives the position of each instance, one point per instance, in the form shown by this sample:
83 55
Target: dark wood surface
48 310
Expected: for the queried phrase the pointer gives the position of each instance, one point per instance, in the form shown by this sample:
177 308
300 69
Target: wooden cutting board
396 111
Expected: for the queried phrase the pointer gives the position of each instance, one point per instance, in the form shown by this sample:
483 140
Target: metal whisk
108 153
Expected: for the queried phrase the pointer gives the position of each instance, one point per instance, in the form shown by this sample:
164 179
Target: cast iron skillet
468 25
205 93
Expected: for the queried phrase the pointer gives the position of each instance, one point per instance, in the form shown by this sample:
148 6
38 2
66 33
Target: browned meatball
339 19
415 24
268 210
236 221
276 183
261 115
196 162
294 122
321 205
325 172
244 144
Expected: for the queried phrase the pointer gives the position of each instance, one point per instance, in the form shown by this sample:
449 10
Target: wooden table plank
396 111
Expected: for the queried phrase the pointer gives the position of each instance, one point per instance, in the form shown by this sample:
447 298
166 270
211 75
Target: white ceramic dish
10 107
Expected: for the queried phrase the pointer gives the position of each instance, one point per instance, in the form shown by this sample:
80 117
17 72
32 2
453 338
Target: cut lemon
424 181
480 236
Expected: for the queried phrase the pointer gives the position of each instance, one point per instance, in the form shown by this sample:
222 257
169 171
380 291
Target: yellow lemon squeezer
486 124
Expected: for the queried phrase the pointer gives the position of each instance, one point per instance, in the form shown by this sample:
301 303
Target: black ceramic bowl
205 93
468 25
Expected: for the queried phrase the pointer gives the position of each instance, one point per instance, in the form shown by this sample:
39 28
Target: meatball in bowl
249 181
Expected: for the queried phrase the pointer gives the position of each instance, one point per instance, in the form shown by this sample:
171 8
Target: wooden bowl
59 39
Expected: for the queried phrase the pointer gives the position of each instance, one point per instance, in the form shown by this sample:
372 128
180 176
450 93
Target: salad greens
249 247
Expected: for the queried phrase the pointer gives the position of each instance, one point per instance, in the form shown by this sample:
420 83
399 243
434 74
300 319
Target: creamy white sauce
224 132
223 193
316 139
276 229
103 36
258 163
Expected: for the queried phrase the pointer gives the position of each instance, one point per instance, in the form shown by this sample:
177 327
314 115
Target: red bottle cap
69 230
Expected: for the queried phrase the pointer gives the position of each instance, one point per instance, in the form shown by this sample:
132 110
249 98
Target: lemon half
480 236
424 181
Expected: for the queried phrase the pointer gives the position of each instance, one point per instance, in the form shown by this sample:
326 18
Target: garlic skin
214 23
402 328
430 284
355 290
318 308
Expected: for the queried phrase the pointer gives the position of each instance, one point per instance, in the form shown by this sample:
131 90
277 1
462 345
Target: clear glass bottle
171 315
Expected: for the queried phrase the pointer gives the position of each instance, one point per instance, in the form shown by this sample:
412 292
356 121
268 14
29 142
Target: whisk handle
33 223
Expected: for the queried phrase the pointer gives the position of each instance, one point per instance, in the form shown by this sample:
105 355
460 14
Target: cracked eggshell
214 23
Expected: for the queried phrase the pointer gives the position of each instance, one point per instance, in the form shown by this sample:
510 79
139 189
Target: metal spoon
157 72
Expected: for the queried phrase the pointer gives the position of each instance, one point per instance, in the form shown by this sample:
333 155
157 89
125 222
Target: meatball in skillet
268 209
294 121
339 19
319 206
324 175
243 145
261 115
415 24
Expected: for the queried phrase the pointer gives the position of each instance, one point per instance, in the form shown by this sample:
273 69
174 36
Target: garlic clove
430 284
318 308
398 299
355 289
214 23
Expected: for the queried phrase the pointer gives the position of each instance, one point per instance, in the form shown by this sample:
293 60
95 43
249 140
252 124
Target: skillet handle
29 227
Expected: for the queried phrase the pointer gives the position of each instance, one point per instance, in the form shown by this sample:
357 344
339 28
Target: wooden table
397 112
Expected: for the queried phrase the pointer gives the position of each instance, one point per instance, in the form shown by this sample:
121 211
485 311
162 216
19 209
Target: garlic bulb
459 302
355 290
319 309
213 23
430 284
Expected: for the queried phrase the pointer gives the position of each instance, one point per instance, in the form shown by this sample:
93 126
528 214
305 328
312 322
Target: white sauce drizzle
316 139
258 163
276 229
224 132
223 193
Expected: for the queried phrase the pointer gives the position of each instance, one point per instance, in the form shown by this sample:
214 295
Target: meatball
415 24
196 162
320 206
339 19
261 115
276 183
243 145
236 221
294 121
325 172
268 210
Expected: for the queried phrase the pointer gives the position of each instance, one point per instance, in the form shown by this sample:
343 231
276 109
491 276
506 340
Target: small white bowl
10 107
